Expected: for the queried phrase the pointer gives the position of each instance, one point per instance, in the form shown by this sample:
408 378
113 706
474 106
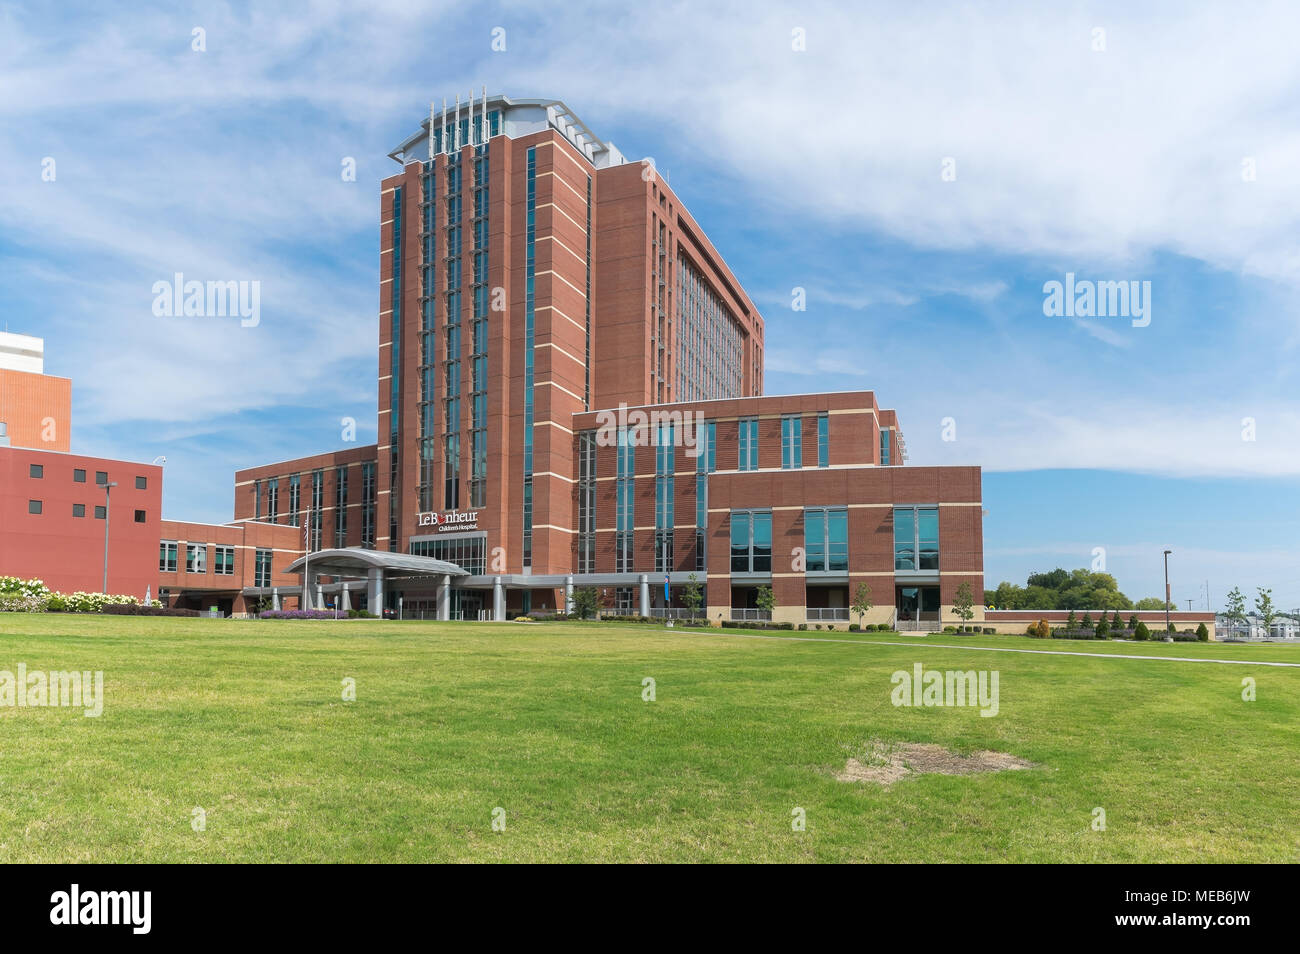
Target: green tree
692 595
1202 633
586 600
1265 609
1235 610
1141 631
862 603
1150 603
963 603
1133 622
765 599
1071 622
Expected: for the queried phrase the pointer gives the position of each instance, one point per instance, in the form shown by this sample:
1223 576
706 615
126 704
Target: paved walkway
1002 649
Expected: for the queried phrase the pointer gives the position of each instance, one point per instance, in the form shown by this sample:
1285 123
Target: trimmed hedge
135 609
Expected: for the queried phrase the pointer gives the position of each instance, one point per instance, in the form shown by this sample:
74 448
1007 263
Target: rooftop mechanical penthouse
570 394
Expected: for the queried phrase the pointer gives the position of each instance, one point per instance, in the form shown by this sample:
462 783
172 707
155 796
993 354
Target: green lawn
246 720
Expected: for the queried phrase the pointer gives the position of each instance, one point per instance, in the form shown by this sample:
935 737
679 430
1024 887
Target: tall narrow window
530 266
587 502
623 529
665 466
791 442
916 538
823 441
884 447
748 453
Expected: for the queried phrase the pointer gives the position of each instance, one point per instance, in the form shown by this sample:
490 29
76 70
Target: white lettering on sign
449 520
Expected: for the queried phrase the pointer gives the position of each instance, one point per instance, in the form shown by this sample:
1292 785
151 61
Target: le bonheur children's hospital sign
450 520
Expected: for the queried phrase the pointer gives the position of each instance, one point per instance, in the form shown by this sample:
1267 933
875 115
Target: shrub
135 609
950 629
854 628
1043 629
989 631
1133 622
1141 631
300 614
1202 634
1103 629
803 627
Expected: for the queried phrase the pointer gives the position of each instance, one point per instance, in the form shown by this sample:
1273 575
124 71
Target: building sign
448 520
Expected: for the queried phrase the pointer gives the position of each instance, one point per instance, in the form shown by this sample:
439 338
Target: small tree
1265 609
1133 622
586 600
1103 628
1087 620
1235 609
1202 633
1116 622
765 599
1071 622
963 603
862 603
692 595
1141 632
1042 630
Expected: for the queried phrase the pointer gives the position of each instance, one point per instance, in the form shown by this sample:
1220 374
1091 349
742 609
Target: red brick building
531 276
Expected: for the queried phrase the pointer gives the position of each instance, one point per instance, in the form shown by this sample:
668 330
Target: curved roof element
358 560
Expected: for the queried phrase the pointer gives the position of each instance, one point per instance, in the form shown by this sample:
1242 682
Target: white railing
917 626
833 613
738 614
672 612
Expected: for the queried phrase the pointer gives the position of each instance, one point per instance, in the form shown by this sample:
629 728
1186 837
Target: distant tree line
1067 590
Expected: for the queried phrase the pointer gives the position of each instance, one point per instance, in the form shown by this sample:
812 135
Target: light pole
108 487
1167 624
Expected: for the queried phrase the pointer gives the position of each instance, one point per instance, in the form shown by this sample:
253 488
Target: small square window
141 483
139 516
36 470
79 475
101 477
99 512
33 506
78 510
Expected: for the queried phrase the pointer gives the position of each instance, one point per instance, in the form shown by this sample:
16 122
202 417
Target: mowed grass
547 722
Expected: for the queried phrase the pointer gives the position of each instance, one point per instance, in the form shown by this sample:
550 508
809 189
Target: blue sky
1164 149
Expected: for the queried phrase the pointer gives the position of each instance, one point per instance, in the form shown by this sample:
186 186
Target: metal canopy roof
357 560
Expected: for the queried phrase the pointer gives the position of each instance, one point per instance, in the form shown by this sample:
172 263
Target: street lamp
1167 623
108 487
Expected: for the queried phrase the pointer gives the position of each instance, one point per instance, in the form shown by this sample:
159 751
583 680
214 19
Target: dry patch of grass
887 763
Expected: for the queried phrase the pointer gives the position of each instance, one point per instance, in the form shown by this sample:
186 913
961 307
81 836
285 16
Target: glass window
78 510
884 448
791 442
748 453
826 540
823 441
33 506
101 477
140 516
141 483
79 475
167 556
262 568
36 470
904 539
751 541
927 531
223 560
916 538
196 558
99 512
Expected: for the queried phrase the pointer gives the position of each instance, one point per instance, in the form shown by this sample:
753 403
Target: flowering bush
33 596
17 603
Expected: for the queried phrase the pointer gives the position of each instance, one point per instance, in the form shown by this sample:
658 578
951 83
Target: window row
196 558
37 472
79 510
